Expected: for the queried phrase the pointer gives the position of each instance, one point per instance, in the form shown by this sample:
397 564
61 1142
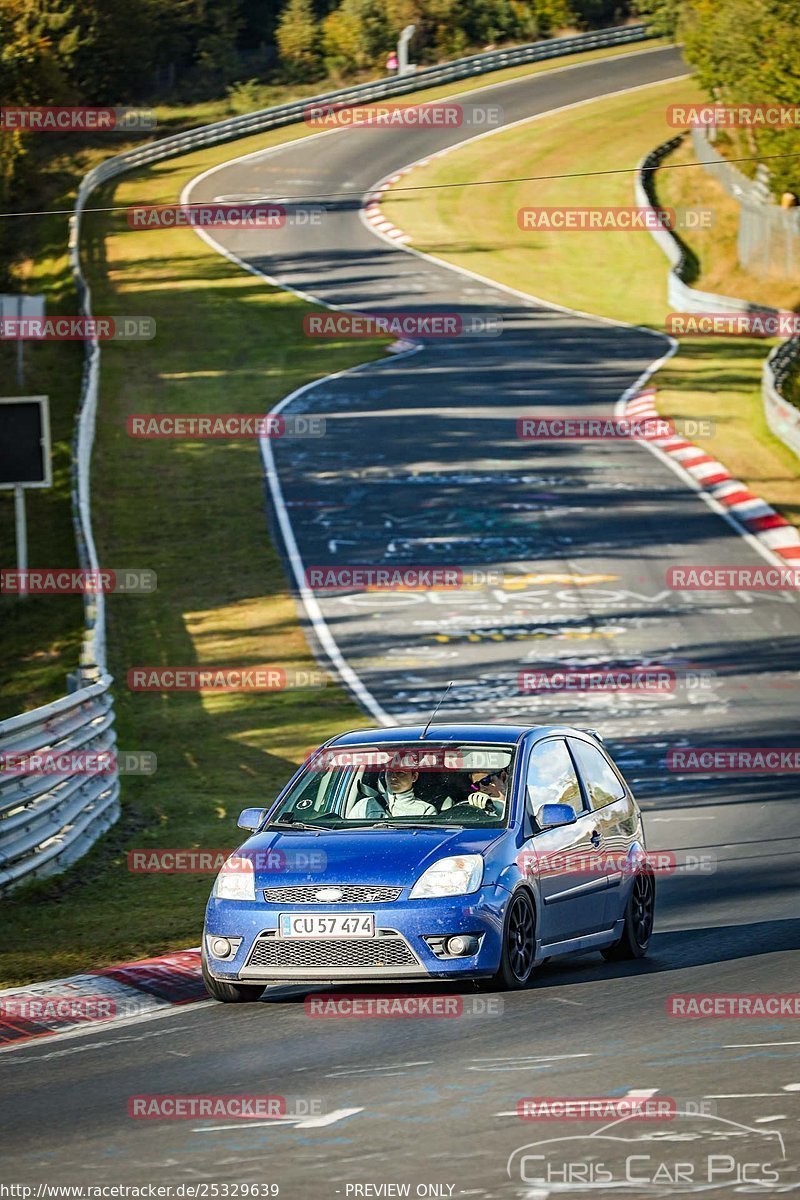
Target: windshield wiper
408 825
284 825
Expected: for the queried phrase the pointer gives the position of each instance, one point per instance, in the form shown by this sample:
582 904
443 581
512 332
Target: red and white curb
374 216
751 512
98 997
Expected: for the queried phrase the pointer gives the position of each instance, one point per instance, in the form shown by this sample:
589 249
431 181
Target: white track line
503 287
326 639
619 408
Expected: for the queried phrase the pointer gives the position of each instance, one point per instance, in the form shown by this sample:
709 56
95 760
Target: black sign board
25 442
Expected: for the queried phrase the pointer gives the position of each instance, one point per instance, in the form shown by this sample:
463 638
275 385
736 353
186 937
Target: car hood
393 856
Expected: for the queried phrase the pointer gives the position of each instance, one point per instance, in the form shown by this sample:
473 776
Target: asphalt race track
420 464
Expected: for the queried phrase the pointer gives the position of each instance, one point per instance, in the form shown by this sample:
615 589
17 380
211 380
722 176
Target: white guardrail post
47 821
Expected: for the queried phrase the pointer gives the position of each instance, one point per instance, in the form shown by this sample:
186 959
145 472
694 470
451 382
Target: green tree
748 52
356 35
663 16
298 39
36 50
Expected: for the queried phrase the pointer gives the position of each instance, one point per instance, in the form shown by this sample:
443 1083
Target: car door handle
595 839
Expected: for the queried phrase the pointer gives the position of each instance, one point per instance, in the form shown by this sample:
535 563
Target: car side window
601 780
315 796
551 777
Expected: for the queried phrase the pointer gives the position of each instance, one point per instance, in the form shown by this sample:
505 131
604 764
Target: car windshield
414 785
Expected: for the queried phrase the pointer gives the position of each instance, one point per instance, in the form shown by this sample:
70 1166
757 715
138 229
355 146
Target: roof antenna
435 711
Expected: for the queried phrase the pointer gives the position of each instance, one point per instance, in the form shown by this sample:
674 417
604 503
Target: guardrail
51 813
782 416
680 294
46 825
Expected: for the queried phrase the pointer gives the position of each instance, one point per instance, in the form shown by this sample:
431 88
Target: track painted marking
523 1064
157 1014
688 479
631 1094
308 598
392 1068
756 1045
339 1114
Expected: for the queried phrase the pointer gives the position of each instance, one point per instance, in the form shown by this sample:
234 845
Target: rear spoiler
594 734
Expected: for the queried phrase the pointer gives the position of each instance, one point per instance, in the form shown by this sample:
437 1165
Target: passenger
393 797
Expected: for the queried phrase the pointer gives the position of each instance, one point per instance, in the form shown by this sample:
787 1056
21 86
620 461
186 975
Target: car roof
500 734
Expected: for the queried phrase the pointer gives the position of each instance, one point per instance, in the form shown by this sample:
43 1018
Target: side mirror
251 818
550 816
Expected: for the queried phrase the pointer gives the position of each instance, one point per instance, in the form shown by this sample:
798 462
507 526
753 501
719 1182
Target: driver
393 797
489 791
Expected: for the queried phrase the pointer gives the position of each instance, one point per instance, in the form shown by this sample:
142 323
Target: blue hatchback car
446 852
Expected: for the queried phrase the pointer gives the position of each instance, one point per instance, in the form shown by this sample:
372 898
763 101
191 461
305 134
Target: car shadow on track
675 950
671 951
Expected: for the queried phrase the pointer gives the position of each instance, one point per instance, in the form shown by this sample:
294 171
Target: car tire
519 944
229 993
639 916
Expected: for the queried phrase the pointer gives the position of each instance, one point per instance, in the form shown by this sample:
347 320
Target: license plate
327 925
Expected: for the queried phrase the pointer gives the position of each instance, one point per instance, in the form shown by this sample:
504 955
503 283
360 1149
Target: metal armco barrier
46 825
782 416
49 819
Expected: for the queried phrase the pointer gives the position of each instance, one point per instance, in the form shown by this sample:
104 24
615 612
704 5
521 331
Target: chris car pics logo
690 1152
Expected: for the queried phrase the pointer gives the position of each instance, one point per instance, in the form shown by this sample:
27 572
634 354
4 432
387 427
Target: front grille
386 950
354 893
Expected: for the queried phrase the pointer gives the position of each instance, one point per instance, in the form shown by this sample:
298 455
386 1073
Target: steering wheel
472 809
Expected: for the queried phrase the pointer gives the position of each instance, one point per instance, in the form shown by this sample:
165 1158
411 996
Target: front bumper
399 949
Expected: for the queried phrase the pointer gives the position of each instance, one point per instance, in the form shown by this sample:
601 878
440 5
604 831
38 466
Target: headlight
450 877
236 880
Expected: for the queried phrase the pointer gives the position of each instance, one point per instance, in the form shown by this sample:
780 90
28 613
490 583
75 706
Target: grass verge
195 513
615 274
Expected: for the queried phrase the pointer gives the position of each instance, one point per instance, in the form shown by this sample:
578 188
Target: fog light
220 947
462 945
